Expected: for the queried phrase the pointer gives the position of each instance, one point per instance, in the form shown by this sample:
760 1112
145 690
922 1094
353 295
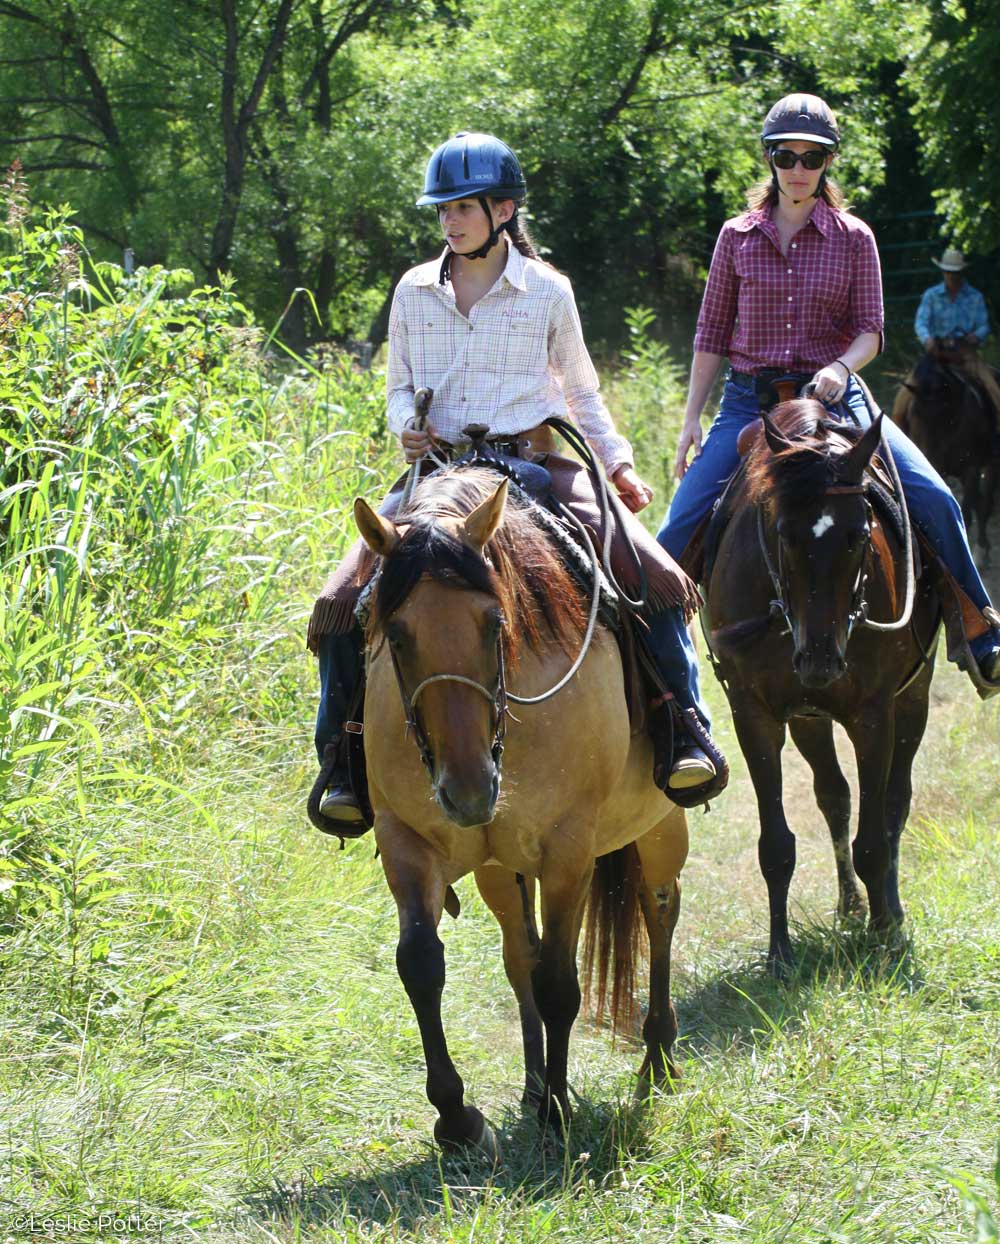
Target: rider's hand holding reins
830 382
417 441
633 491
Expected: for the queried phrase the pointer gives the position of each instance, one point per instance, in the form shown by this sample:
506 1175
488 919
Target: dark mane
800 474
537 594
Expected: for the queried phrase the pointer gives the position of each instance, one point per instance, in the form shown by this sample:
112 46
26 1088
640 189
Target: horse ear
777 442
906 385
380 534
481 525
856 462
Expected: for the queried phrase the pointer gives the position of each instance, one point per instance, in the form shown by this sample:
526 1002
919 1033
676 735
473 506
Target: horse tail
611 942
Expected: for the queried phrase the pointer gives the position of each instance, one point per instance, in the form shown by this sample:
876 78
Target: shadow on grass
534 1166
745 1005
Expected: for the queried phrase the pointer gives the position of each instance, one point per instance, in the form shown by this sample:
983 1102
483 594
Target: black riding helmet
804 117
474 166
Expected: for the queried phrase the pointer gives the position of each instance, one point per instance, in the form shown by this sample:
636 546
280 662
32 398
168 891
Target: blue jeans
932 506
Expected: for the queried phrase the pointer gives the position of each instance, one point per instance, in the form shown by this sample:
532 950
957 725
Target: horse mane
812 463
533 587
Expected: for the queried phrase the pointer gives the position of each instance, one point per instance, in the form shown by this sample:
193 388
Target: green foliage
646 397
159 480
285 142
949 73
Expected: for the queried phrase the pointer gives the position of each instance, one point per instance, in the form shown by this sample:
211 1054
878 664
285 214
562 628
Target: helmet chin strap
482 251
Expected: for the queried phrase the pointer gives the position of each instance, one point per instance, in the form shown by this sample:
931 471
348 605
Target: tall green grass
170 498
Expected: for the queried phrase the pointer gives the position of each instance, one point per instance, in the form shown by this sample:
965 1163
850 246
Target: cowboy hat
950 261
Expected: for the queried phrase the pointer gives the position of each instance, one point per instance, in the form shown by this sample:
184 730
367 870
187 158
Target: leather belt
767 374
534 442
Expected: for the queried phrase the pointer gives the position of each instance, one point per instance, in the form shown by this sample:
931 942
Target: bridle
859 605
497 698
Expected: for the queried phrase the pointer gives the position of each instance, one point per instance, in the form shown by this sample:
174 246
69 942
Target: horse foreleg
565 881
872 733
515 913
415 873
761 739
911 720
813 737
662 852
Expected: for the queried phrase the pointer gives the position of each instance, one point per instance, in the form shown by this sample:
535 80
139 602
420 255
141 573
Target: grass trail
258 1073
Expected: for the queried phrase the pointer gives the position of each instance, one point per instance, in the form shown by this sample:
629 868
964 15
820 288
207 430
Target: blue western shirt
941 316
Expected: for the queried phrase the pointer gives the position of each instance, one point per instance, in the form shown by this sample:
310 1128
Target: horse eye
394 634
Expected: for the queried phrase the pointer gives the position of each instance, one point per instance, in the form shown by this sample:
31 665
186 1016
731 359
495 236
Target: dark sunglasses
811 160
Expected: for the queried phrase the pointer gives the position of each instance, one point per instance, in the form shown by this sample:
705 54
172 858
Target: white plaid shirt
518 358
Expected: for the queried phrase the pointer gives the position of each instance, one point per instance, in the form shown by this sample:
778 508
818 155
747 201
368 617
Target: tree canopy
284 141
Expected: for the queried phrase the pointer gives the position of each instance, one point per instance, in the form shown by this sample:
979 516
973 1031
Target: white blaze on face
822 524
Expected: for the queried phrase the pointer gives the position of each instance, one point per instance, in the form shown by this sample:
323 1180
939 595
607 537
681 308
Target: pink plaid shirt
797 311
518 358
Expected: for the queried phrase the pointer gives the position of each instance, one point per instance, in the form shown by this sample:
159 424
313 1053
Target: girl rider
794 287
495 333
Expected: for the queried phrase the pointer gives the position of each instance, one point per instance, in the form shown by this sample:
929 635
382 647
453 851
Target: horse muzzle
819 665
469 802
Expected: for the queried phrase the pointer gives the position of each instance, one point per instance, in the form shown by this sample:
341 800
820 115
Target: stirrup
688 722
339 829
985 687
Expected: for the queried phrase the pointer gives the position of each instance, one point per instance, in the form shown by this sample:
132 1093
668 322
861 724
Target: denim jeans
933 508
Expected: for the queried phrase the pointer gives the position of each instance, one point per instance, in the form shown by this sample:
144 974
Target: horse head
810 491
438 606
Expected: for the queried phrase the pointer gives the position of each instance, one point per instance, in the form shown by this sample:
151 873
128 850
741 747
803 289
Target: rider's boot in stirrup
688 766
334 805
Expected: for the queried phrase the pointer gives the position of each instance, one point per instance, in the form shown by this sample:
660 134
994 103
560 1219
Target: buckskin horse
470 602
951 419
804 566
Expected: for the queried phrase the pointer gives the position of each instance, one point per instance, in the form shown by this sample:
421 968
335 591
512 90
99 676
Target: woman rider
794 287
495 333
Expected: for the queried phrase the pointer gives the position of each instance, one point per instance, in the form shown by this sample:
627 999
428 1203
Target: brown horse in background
951 419
803 562
471 594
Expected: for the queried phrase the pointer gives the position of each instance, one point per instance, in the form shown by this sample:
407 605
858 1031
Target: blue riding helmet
472 166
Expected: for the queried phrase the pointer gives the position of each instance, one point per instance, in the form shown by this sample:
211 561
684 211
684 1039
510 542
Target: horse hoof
487 1143
473 1134
554 1115
781 965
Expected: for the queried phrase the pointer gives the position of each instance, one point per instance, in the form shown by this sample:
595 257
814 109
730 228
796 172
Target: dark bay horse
951 419
471 604
804 560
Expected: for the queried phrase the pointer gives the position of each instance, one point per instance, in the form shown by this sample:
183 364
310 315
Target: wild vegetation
283 140
203 1025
